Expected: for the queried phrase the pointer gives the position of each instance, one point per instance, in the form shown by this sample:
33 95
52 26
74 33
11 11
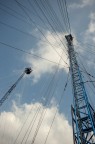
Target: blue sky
18 30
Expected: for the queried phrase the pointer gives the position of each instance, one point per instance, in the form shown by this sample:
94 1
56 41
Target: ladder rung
82 107
84 118
87 130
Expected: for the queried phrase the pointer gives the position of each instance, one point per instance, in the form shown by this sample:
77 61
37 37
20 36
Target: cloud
90 32
91 27
84 48
47 51
11 123
82 4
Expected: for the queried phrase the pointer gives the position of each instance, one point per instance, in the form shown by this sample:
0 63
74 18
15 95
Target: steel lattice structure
6 95
83 115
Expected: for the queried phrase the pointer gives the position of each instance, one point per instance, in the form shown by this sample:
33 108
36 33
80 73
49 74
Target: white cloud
91 27
45 50
82 4
90 32
11 122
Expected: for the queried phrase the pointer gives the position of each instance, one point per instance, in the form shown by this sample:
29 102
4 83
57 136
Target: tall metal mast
26 71
83 115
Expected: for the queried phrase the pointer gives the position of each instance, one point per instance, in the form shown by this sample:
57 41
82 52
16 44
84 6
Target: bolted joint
28 70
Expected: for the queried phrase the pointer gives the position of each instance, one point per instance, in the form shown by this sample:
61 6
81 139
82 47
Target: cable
90 80
86 48
33 7
56 110
31 125
23 20
56 20
91 45
67 16
54 15
63 11
87 73
35 116
41 18
62 14
17 17
43 112
43 116
23 125
21 50
43 12
37 27
12 10
26 33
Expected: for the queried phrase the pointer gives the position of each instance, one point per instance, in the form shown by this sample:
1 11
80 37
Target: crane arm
6 95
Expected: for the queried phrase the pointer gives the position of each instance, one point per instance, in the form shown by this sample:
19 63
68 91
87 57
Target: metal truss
83 115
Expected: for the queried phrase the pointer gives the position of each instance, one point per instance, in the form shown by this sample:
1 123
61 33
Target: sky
32 34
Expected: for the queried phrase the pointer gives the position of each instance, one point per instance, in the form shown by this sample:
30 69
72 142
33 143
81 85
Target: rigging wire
33 7
37 27
86 48
23 125
13 10
67 16
63 14
44 111
83 71
54 15
64 11
56 20
18 19
42 118
21 50
34 118
87 73
23 8
12 27
55 114
86 43
52 26
40 122
89 77
81 62
27 134
88 81
5 122
26 33
44 84
23 20
42 19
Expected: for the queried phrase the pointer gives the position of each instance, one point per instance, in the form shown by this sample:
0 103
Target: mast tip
28 70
